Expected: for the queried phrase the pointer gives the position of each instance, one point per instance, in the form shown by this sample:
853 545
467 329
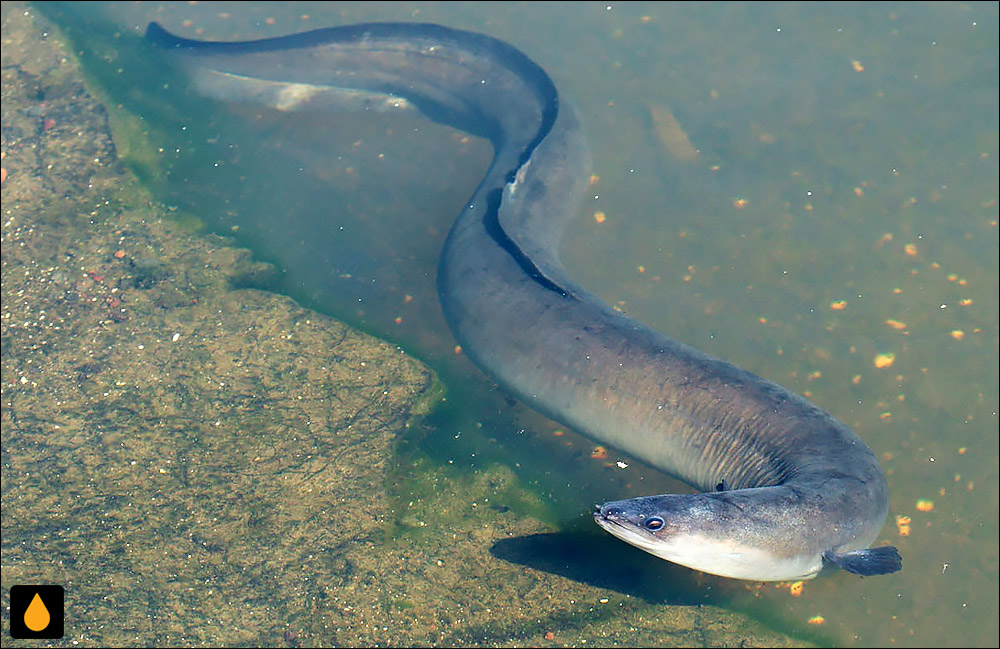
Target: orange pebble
884 360
903 525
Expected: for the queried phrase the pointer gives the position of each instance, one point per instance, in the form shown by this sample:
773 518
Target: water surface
835 232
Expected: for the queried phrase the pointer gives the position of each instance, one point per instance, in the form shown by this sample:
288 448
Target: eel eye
654 523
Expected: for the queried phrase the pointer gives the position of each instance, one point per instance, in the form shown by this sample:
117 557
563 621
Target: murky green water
841 211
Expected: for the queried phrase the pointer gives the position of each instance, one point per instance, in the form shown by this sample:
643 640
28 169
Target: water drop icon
37 617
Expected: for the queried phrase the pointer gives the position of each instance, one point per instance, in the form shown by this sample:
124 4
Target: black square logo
36 612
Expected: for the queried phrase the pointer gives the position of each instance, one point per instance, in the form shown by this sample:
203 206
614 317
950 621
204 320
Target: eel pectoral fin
881 560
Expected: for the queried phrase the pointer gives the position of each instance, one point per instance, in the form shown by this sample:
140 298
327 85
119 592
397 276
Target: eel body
785 486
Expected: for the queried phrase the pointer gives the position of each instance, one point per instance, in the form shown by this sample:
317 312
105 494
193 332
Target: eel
785 487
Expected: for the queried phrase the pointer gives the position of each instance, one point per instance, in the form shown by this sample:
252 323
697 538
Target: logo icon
36 612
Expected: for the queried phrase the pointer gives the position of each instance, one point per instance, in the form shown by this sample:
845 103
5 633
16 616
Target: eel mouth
616 524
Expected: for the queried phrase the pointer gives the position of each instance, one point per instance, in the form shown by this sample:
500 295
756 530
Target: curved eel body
787 487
